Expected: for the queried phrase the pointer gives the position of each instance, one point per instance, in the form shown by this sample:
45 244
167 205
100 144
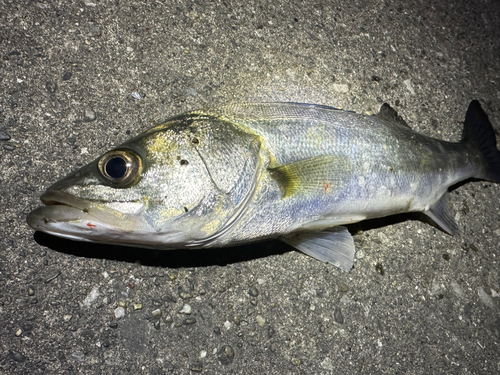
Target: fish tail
479 132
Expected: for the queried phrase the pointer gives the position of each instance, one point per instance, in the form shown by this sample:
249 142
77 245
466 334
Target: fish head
181 184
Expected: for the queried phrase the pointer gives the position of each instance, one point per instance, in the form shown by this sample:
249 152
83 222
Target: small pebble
137 95
189 321
67 76
156 312
67 318
185 295
341 88
51 87
226 355
261 321
119 312
16 356
137 306
19 332
253 291
31 291
380 269
196 367
295 361
78 356
457 288
337 315
485 297
192 91
343 287
4 136
409 86
186 309
92 30
89 114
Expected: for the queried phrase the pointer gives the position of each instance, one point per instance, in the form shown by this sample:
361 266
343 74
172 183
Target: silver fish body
249 172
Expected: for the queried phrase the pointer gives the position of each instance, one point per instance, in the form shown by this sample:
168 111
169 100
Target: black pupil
116 167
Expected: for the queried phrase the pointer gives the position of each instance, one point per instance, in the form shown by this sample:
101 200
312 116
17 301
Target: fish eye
121 168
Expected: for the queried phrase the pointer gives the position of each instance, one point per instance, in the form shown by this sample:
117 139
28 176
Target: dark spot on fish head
195 141
186 209
184 162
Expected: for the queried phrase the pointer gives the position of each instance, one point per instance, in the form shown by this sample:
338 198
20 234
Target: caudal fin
479 131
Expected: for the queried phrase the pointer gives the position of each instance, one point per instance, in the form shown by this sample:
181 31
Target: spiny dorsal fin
389 114
327 173
333 245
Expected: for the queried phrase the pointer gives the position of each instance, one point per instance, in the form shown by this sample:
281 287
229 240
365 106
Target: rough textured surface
78 79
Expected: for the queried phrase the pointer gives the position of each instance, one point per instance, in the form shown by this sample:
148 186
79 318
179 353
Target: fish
250 172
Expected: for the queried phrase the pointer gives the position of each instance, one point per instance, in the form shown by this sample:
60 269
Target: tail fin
479 131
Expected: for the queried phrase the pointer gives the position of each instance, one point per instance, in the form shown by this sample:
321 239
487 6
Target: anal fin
441 215
334 245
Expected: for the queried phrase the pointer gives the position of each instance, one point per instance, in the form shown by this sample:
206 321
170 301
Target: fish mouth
64 215
67 216
60 198
59 207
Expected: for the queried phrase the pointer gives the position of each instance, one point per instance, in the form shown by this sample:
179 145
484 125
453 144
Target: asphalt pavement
78 78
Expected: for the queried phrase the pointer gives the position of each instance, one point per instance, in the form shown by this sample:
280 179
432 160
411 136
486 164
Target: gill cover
232 158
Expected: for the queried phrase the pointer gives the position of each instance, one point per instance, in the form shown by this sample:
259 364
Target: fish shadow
182 258
185 258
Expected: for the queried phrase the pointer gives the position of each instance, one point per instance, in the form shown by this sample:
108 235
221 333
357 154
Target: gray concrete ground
417 302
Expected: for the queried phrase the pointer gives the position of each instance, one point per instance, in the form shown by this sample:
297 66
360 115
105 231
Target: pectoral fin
322 174
334 245
441 215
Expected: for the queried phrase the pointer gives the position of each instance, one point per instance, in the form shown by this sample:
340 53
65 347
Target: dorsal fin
389 114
